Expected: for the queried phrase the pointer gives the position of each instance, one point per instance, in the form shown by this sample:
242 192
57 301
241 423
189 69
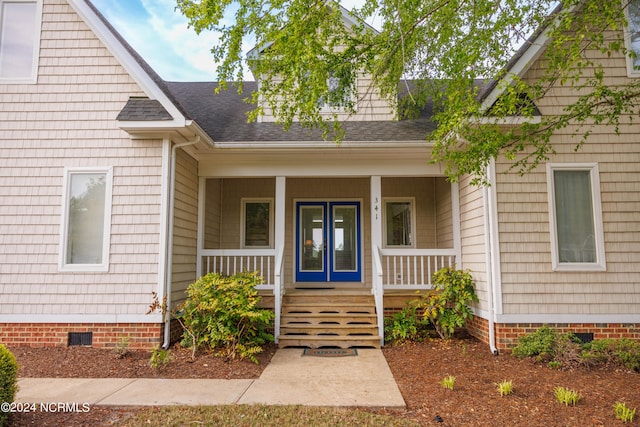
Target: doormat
314 288
330 352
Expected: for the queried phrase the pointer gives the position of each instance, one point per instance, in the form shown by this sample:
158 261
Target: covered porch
331 234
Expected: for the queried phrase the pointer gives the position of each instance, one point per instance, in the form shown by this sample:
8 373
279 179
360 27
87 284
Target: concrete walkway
290 379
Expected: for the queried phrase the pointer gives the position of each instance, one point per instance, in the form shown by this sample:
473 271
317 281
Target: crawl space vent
80 338
585 337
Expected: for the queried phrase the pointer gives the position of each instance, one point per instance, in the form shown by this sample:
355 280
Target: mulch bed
417 367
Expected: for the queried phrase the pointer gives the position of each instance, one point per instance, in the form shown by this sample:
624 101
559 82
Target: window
86 219
339 97
632 37
399 222
19 40
575 218
257 224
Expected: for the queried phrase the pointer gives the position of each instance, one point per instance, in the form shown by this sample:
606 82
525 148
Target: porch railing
413 268
232 261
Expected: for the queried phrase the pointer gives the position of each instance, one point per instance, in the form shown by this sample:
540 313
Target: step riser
330 342
321 329
328 300
326 312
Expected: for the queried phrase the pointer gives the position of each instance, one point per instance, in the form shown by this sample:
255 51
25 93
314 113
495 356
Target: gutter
487 195
169 249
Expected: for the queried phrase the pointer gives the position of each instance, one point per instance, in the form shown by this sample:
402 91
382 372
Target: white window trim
600 264
33 78
326 108
412 202
106 242
631 72
243 204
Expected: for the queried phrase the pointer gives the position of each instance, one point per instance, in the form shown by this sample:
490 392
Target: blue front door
328 242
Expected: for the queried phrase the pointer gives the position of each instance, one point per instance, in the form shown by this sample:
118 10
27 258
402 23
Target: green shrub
448 307
222 313
540 343
565 350
8 380
404 326
624 352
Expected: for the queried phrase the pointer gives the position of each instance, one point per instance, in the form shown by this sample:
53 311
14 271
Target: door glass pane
312 238
574 216
344 238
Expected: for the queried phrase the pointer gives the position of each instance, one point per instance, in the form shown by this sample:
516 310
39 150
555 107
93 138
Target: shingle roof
224 117
143 109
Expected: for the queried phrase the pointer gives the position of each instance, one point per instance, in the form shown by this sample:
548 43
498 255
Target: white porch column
279 211
278 288
376 211
376 243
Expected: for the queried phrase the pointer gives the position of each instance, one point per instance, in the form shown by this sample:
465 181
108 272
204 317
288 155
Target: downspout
169 249
489 259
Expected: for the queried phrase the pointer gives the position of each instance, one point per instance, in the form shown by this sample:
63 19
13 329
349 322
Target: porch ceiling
333 161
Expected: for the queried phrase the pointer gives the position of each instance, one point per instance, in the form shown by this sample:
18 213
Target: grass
261 415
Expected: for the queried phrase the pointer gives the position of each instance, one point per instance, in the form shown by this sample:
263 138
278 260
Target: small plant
121 349
404 326
8 381
159 357
505 388
448 306
567 396
554 364
623 412
448 382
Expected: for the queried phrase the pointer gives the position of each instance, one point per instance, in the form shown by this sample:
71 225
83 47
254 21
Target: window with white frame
86 224
399 220
19 40
577 238
632 37
339 97
257 223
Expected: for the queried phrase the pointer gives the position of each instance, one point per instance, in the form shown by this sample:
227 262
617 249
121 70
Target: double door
328 242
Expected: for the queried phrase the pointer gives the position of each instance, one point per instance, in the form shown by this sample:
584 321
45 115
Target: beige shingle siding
528 282
444 214
371 106
67 120
472 237
185 225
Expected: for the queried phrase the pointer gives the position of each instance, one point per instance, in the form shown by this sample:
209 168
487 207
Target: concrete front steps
328 318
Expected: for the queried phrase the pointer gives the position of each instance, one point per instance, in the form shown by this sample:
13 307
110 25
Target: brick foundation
507 334
143 336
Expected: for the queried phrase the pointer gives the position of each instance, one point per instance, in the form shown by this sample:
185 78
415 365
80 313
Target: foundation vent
585 337
80 338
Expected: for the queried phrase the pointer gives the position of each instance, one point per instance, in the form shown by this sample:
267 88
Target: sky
161 35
